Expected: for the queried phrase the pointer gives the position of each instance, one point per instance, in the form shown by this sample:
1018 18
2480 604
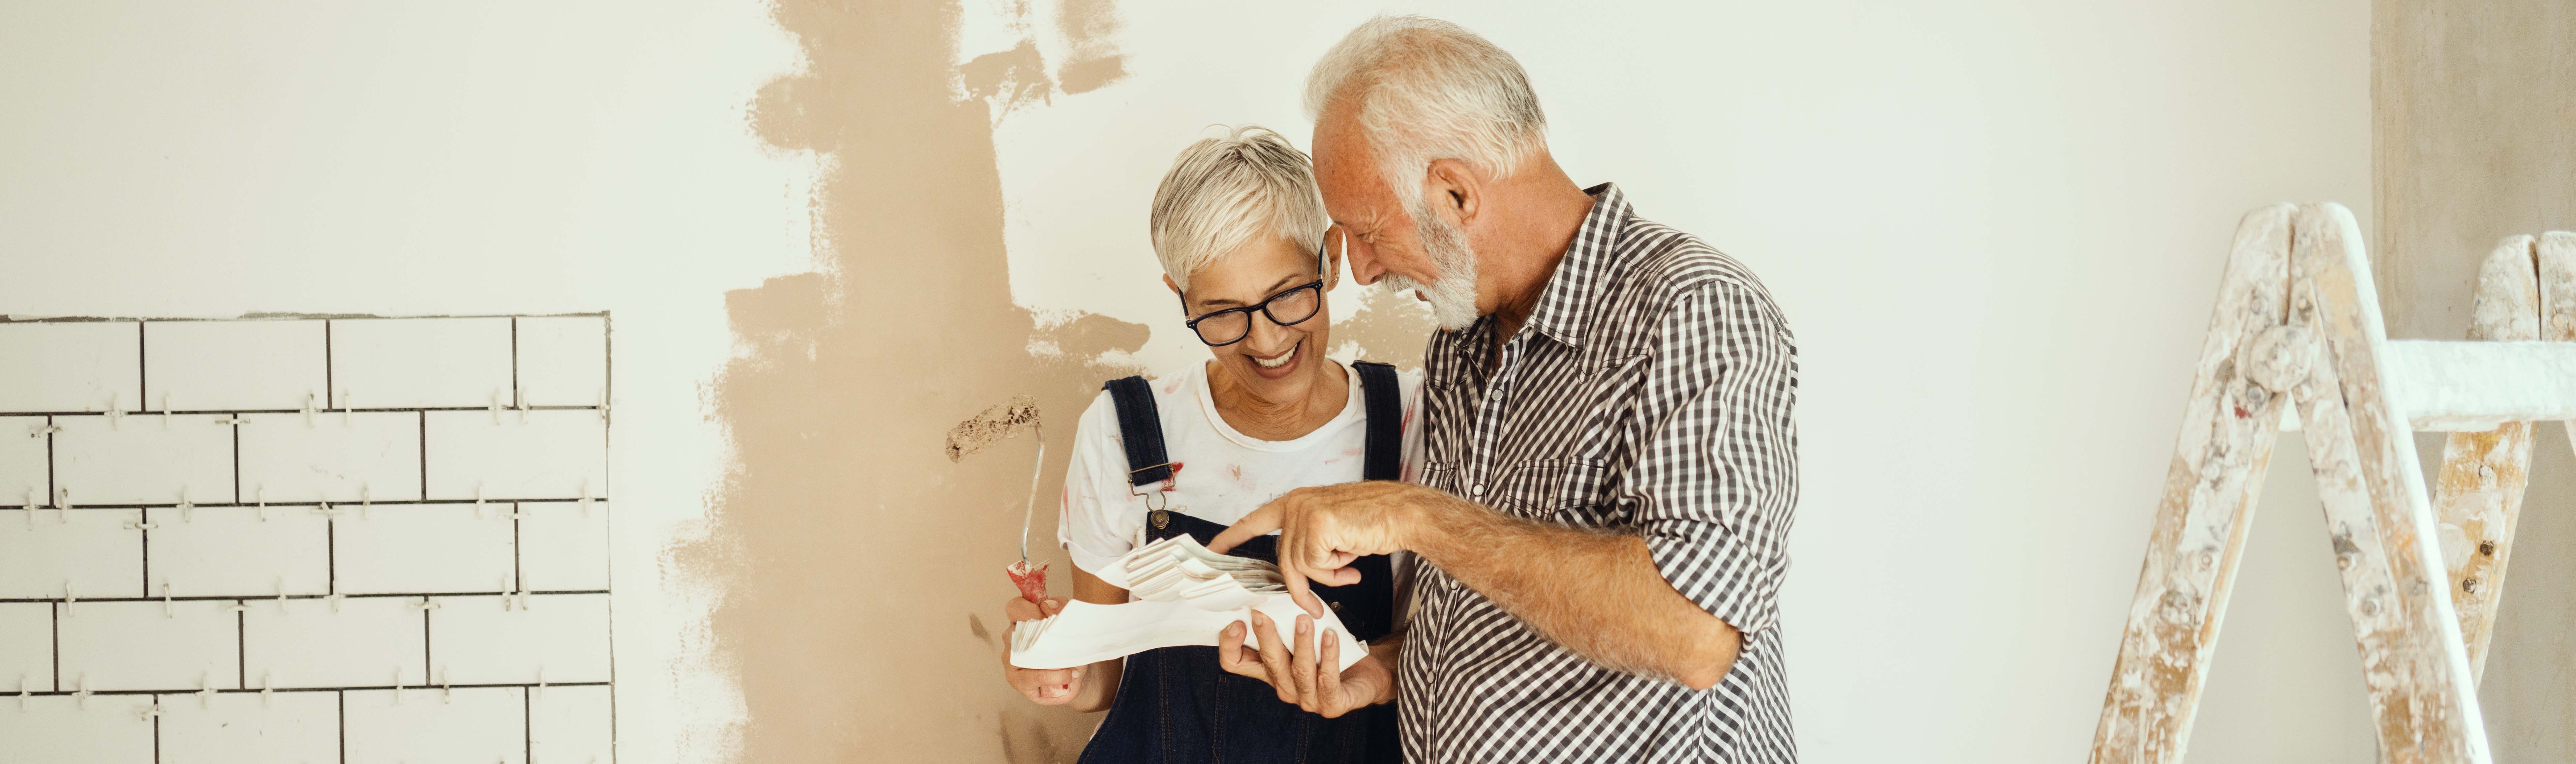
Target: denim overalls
1175 704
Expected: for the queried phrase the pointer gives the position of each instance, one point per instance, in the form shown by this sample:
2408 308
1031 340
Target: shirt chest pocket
1560 490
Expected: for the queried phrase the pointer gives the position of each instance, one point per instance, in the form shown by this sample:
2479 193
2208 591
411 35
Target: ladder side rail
2229 428
2423 701
2556 260
2478 490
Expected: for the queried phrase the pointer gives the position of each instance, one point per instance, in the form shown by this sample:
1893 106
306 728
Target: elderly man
1609 460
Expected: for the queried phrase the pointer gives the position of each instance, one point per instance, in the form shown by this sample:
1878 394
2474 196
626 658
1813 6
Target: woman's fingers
1301 664
1231 656
1328 677
1045 686
1274 656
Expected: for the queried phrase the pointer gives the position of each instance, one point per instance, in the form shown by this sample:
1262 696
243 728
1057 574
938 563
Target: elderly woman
1240 231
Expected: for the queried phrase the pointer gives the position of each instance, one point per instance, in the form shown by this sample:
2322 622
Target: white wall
1996 228
164 160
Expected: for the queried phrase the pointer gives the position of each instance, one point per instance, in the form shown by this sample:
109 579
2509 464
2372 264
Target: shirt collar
1567 300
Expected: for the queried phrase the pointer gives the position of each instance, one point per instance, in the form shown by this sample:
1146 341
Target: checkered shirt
1650 393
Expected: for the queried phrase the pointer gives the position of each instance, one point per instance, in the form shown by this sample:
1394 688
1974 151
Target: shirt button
1478 491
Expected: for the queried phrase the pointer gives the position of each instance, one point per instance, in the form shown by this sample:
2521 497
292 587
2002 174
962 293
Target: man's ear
1452 185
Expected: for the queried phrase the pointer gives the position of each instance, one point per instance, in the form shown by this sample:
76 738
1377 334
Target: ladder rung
2469 386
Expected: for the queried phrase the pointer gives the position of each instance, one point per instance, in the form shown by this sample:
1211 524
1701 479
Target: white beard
1453 295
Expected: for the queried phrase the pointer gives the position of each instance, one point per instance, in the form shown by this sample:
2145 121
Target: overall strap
1380 392
1140 427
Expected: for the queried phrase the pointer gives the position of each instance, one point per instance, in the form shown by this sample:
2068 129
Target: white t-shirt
1222 474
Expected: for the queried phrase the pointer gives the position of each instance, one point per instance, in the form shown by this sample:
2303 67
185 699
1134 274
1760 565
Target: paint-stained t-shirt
1651 394
1220 473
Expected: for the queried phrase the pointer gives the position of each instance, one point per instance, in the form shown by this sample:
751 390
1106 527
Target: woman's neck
1327 391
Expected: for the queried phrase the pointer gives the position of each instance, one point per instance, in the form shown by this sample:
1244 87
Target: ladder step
2472 386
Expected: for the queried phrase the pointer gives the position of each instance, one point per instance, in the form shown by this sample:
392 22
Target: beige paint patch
1089 28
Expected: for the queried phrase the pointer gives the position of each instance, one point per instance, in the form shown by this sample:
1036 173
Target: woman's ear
1333 261
1176 288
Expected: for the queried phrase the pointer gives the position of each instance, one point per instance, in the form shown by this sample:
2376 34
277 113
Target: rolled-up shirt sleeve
1715 480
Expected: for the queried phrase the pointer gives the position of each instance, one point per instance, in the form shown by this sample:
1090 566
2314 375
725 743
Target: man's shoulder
1664 266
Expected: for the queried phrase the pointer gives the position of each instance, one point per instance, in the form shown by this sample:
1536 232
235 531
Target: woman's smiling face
1275 362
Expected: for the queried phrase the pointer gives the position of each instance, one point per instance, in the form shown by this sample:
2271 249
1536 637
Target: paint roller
1005 420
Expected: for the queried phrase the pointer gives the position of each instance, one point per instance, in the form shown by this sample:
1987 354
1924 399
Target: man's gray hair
1223 192
1429 90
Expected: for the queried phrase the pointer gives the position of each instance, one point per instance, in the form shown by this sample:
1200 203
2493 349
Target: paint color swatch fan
1184 594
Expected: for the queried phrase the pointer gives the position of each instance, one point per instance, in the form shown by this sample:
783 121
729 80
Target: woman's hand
1045 687
1307 678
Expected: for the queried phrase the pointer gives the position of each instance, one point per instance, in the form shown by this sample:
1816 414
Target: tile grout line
424 456
375 410
142 384
241 647
345 688
247 597
57 612
330 389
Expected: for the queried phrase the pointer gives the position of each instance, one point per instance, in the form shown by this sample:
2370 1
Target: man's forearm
1598 594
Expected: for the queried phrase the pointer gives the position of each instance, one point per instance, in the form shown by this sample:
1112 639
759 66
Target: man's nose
1363 263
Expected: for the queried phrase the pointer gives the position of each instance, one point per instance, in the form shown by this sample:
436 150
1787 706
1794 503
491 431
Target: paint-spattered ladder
2297 336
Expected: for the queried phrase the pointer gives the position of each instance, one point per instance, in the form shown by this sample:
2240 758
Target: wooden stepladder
2297 334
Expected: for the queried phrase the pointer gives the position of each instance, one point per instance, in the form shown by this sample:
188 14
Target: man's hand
1045 687
1305 678
1323 528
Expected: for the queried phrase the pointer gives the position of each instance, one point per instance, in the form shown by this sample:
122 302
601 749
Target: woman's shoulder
1100 418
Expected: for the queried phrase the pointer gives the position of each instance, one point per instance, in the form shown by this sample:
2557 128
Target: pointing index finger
1260 523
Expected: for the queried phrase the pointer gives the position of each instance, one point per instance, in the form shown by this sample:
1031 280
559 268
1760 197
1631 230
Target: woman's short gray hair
1223 192
1429 90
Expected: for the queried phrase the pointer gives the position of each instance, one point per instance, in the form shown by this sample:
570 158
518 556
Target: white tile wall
421 362
473 724
425 548
96 551
70 366
361 643
562 547
26 647
219 551
148 645
144 459
24 473
563 360
326 605
547 454
488 640
331 457
105 728
570 725
233 365
247 728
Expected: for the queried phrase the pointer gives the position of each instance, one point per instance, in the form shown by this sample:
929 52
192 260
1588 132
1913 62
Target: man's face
1380 238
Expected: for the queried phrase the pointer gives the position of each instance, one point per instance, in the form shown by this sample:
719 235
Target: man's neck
1548 214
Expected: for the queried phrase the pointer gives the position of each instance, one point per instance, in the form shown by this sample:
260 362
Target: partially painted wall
1998 268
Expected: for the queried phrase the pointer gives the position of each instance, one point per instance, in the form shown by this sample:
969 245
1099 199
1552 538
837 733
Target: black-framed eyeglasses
1289 308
